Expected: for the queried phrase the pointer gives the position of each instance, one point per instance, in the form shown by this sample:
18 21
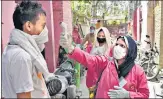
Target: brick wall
57 17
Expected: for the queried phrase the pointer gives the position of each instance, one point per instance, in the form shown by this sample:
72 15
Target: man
90 39
122 31
22 62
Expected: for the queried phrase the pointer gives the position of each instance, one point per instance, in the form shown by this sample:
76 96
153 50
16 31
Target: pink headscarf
76 36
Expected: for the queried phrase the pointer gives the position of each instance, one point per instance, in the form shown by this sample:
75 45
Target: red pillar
61 12
58 17
49 48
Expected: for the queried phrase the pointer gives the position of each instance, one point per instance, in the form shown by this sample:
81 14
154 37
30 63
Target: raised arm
84 40
89 61
98 62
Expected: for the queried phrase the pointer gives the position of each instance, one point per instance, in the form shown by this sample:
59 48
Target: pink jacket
91 77
136 79
89 47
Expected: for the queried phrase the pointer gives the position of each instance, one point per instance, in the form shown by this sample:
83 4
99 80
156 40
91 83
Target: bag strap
110 58
99 77
98 82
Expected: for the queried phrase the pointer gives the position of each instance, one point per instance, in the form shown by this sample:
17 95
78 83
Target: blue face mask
92 31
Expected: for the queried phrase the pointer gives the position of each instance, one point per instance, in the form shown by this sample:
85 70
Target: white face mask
41 38
119 52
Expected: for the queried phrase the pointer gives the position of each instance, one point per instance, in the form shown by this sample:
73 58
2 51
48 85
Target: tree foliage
86 10
81 10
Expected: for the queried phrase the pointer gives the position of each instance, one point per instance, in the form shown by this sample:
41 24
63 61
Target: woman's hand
65 38
119 92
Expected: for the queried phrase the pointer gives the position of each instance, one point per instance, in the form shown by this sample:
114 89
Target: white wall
144 22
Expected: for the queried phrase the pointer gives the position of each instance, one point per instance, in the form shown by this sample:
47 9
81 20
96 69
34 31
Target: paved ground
83 87
154 87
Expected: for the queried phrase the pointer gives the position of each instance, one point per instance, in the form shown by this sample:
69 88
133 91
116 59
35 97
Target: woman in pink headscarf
76 36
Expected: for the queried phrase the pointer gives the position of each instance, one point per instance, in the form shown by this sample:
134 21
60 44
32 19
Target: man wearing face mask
90 39
23 65
41 40
119 77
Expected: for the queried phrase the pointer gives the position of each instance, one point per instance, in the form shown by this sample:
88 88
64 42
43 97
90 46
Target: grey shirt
19 75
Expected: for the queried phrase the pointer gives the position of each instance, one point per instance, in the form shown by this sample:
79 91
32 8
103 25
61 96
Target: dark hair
100 31
27 11
121 37
98 21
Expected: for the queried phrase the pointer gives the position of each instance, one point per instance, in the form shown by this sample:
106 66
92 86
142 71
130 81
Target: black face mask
101 40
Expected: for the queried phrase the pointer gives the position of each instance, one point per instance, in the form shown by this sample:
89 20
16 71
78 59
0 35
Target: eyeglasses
125 40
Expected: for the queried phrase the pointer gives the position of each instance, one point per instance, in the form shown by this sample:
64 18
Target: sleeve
89 61
142 89
21 73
